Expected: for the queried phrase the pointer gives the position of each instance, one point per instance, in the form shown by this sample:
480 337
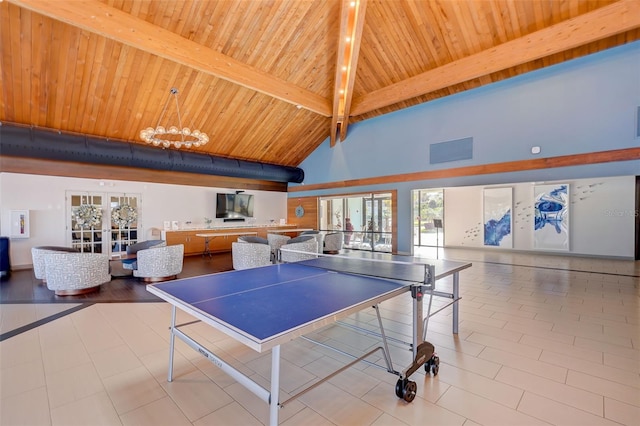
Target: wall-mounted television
234 206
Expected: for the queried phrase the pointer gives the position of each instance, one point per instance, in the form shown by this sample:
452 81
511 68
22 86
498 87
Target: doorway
428 222
102 223
366 219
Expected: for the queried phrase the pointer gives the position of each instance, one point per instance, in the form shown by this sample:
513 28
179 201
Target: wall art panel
551 217
498 203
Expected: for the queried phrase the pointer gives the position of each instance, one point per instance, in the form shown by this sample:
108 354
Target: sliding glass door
365 219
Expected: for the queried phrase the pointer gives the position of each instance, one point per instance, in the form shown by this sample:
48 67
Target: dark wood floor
23 287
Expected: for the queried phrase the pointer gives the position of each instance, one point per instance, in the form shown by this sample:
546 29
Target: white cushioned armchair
135 248
250 255
275 242
333 242
37 257
159 263
75 273
306 244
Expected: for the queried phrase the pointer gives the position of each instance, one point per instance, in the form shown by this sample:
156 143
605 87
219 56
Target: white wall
44 197
601 213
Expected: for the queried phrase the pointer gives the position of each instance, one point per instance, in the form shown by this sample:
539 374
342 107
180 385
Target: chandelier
177 136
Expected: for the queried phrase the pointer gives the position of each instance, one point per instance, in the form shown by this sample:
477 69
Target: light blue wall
585 105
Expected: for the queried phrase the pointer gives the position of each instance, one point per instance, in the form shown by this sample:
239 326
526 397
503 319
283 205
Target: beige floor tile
483 411
567 339
162 412
542 369
44 310
15 316
419 411
132 389
340 407
94 330
231 415
72 384
58 334
557 413
387 420
628 364
58 358
308 417
21 378
592 368
482 366
627 394
292 377
30 408
554 346
505 394
566 394
158 364
115 360
21 349
593 332
607 348
354 381
196 395
94 410
620 412
459 343
520 349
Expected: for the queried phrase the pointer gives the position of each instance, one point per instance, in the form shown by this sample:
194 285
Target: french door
101 222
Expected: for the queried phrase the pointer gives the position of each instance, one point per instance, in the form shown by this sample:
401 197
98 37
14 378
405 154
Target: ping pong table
266 307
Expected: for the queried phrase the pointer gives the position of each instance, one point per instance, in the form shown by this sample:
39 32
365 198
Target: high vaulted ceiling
264 78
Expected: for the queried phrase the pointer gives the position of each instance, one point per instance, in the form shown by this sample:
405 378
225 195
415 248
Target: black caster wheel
427 366
432 365
435 367
406 389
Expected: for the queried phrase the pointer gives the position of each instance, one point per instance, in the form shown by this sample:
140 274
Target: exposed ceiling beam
604 22
338 99
351 25
352 63
124 28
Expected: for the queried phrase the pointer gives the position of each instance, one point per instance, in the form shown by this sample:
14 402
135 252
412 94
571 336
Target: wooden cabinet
196 245
192 244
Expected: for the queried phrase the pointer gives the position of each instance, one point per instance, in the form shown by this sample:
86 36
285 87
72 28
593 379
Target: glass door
428 230
101 223
365 219
124 221
85 228
377 216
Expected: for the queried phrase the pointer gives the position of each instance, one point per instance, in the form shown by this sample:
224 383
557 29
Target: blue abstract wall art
497 217
551 217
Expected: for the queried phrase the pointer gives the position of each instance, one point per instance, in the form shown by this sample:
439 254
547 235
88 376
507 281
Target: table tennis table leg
418 324
274 396
172 339
456 297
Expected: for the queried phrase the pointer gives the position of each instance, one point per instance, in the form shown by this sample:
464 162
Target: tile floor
543 340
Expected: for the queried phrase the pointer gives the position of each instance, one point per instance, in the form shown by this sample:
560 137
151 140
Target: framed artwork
19 223
497 204
551 217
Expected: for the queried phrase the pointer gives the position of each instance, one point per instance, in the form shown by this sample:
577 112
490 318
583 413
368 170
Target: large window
365 219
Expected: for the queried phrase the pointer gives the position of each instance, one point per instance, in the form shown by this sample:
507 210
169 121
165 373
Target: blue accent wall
585 105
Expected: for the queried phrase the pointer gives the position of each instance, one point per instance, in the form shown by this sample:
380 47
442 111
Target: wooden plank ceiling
265 79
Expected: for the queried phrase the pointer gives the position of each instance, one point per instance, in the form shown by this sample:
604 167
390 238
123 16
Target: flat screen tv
234 206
